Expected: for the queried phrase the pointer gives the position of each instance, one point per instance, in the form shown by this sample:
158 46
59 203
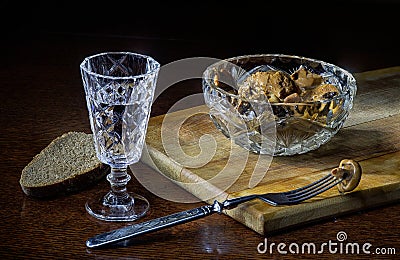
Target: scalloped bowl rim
352 80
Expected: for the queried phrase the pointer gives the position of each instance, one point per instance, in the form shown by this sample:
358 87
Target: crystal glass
119 88
250 119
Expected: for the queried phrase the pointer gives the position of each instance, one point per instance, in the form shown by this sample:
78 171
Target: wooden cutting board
369 136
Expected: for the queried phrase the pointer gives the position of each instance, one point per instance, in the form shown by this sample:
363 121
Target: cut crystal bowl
278 104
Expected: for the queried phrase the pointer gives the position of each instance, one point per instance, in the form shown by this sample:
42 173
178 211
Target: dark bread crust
69 186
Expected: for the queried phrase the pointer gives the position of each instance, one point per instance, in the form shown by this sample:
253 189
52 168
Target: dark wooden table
42 97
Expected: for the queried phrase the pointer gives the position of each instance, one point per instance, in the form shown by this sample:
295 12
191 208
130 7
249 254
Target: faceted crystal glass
119 88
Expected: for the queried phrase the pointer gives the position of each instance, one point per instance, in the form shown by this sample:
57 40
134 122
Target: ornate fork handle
164 222
153 225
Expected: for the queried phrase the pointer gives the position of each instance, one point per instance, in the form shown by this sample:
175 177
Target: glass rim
151 59
209 80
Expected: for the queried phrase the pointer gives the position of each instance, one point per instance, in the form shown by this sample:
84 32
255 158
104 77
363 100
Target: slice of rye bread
67 165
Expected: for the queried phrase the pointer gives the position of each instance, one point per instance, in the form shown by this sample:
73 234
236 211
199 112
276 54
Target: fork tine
309 186
300 194
324 187
318 185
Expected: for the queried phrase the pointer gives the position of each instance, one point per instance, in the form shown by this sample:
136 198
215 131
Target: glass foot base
108 212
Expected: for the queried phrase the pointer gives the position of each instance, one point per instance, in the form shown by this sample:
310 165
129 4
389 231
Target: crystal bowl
278 104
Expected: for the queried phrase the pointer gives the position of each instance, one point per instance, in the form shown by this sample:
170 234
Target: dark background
357 35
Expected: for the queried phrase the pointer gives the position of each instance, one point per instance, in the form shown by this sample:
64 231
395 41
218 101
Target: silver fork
344 173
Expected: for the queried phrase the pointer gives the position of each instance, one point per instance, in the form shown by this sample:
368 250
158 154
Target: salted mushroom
292 98
321 92
305 78
303 94
350 171
273 84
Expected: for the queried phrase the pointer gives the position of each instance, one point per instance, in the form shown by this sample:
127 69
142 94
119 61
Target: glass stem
118 178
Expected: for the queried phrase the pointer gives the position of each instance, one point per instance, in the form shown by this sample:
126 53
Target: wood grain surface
224 170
